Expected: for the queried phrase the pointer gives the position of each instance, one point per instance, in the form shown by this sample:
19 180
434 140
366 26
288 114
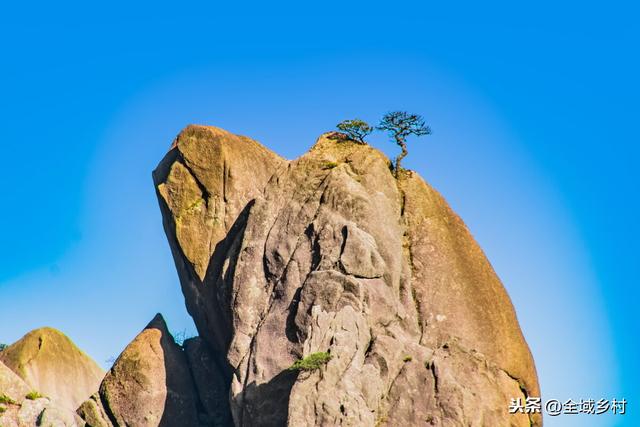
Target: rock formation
21 406
51 364
331 253
12 387
150 384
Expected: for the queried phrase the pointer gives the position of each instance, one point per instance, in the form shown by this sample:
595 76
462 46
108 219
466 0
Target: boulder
150 384
93 413
51 364
19 407
12 387
331 253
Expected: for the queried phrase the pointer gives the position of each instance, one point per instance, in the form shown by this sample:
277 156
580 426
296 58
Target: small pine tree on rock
355 129
400 125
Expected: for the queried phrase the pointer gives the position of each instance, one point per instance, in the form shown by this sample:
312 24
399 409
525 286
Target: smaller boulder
12 387
50 363
16 410
93 413
149 385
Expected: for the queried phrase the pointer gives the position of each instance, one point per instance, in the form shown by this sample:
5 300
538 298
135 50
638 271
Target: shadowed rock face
331 253
211 385
50 363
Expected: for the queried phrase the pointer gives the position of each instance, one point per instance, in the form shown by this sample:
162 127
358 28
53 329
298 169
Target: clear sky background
534 109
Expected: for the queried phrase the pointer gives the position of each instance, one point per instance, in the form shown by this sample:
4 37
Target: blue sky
534 109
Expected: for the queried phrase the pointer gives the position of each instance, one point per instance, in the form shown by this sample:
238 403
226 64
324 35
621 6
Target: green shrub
3 346
356 129
407 358
312 362
329 165
400 126
33 395
6 399
2 409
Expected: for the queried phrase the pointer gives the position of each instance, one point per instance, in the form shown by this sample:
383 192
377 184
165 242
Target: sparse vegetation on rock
312 362
6 399
33 395
329 165
400 125
355 129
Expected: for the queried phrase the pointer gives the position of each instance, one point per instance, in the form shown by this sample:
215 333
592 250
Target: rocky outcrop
204 184
22 407
51 364
331 253
12 387
150 384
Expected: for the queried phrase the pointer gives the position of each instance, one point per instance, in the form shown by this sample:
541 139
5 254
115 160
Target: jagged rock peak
330 253
150 384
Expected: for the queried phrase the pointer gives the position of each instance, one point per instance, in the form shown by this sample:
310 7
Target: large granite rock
204 184
331 253
150 384
50 363
20 408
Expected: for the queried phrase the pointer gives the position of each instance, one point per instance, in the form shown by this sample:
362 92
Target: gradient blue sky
534 109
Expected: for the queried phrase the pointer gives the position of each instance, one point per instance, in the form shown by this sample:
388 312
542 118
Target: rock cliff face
51 364
330 253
